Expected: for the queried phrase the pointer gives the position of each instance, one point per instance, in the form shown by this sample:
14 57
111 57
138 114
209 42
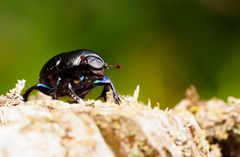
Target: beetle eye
95 62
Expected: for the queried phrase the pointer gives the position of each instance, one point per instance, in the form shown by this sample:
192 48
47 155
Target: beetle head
96 64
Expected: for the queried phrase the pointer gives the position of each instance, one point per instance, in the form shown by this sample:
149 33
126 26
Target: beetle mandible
74 74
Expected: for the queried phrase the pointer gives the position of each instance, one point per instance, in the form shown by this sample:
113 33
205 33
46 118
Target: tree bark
45 127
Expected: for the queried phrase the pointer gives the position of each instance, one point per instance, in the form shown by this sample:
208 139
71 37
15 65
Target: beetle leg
73 94
55 91
41 87
27 92
104 91
106 82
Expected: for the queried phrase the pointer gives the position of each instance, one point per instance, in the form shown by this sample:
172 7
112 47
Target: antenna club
118 66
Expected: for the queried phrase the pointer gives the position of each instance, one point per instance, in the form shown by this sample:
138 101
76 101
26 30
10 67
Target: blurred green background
163 45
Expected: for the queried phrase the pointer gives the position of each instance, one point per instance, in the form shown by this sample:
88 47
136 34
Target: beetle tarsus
116 98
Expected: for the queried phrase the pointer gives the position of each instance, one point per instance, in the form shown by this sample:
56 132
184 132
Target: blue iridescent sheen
104 80
43 85
81 77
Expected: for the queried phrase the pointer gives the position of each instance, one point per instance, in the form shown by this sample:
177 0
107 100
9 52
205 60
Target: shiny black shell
69 66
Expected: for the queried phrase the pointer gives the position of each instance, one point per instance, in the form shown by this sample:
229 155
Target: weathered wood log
45 127
220 121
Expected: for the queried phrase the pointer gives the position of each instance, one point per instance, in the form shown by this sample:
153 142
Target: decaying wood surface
220 121
43 127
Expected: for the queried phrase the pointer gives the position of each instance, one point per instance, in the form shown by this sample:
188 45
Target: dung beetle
74 74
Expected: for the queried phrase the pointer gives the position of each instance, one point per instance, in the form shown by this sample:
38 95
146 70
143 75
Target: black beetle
74 74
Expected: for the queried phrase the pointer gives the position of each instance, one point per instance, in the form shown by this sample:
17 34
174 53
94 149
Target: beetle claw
117 100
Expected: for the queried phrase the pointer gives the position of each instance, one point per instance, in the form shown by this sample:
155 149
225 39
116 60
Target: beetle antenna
117 66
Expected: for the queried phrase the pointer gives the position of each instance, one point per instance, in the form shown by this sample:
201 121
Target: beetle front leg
106 82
